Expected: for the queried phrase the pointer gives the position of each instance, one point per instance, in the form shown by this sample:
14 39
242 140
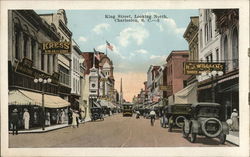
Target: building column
56 63
36 60
51 63
21 46
39 57
45 63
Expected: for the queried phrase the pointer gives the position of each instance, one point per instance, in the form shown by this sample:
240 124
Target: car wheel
222 138
193 136
185 135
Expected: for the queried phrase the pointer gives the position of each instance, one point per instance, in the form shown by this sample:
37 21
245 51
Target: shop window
42 61
17 43
33 53
48 63
25 46
217 54
235 43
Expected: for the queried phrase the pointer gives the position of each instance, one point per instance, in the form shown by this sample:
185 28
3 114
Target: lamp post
43 81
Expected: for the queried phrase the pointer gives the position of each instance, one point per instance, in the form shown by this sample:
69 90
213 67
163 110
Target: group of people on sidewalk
52 117
15 120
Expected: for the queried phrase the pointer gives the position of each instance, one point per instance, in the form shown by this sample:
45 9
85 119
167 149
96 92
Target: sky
136 45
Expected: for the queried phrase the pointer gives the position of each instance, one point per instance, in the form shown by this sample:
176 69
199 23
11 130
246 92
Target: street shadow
176 131
206 141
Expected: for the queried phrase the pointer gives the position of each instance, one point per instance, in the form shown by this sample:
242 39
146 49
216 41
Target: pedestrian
74 119
58 116
47 121
152 117
137 114
35 118
26 118
14 121
62 116
70 113
235 123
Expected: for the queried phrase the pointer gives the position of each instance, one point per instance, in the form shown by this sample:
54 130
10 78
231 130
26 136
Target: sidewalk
48 128
233 137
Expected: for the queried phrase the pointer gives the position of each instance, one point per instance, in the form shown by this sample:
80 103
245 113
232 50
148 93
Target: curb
43 131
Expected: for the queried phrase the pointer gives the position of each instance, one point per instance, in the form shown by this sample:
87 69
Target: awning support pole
43 112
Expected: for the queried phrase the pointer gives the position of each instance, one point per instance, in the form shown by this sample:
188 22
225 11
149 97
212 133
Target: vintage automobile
127 109
96 113
206 121
174 115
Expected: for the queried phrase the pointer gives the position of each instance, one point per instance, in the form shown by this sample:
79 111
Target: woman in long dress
26 118
47 121
62 116
74 115
235 123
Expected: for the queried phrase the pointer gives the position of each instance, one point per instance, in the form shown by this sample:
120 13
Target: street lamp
43 81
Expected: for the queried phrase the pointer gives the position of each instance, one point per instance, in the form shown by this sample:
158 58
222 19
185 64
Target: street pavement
114 131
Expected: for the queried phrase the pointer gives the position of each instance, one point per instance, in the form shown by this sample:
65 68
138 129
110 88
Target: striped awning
23 97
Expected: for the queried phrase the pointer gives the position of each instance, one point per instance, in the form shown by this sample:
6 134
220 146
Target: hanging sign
196 68
56 47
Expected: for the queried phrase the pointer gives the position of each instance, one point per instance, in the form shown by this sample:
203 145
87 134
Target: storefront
224 89
56 108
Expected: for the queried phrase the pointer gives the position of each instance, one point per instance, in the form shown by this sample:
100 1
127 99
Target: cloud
83 39
141 51
167 24
154 57
116 50
98 29
137 34
172 24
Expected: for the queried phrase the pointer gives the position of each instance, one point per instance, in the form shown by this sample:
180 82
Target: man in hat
14 121
26 118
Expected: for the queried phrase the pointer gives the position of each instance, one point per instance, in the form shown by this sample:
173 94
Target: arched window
235 48
225 48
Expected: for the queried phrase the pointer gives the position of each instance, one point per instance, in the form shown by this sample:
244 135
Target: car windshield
208 112
127 107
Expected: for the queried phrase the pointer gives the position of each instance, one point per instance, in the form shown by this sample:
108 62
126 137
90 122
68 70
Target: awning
18 98
106 103
97 104
185 96
27 97
233 88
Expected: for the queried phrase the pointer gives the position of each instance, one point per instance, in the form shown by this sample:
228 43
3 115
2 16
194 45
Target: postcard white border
242 150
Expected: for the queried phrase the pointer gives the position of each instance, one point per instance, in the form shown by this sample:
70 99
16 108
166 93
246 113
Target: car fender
195 126
225 128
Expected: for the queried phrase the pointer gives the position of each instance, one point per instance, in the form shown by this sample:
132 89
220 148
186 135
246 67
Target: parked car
96 113
206 121
176 114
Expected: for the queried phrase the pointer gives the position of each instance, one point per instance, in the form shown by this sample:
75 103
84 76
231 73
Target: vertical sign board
196 68
56 47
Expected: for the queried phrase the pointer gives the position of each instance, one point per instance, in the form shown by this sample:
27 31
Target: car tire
193 136
222 138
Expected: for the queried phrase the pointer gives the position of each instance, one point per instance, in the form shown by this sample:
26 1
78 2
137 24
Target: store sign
165 88
196 68
25 67
56 47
